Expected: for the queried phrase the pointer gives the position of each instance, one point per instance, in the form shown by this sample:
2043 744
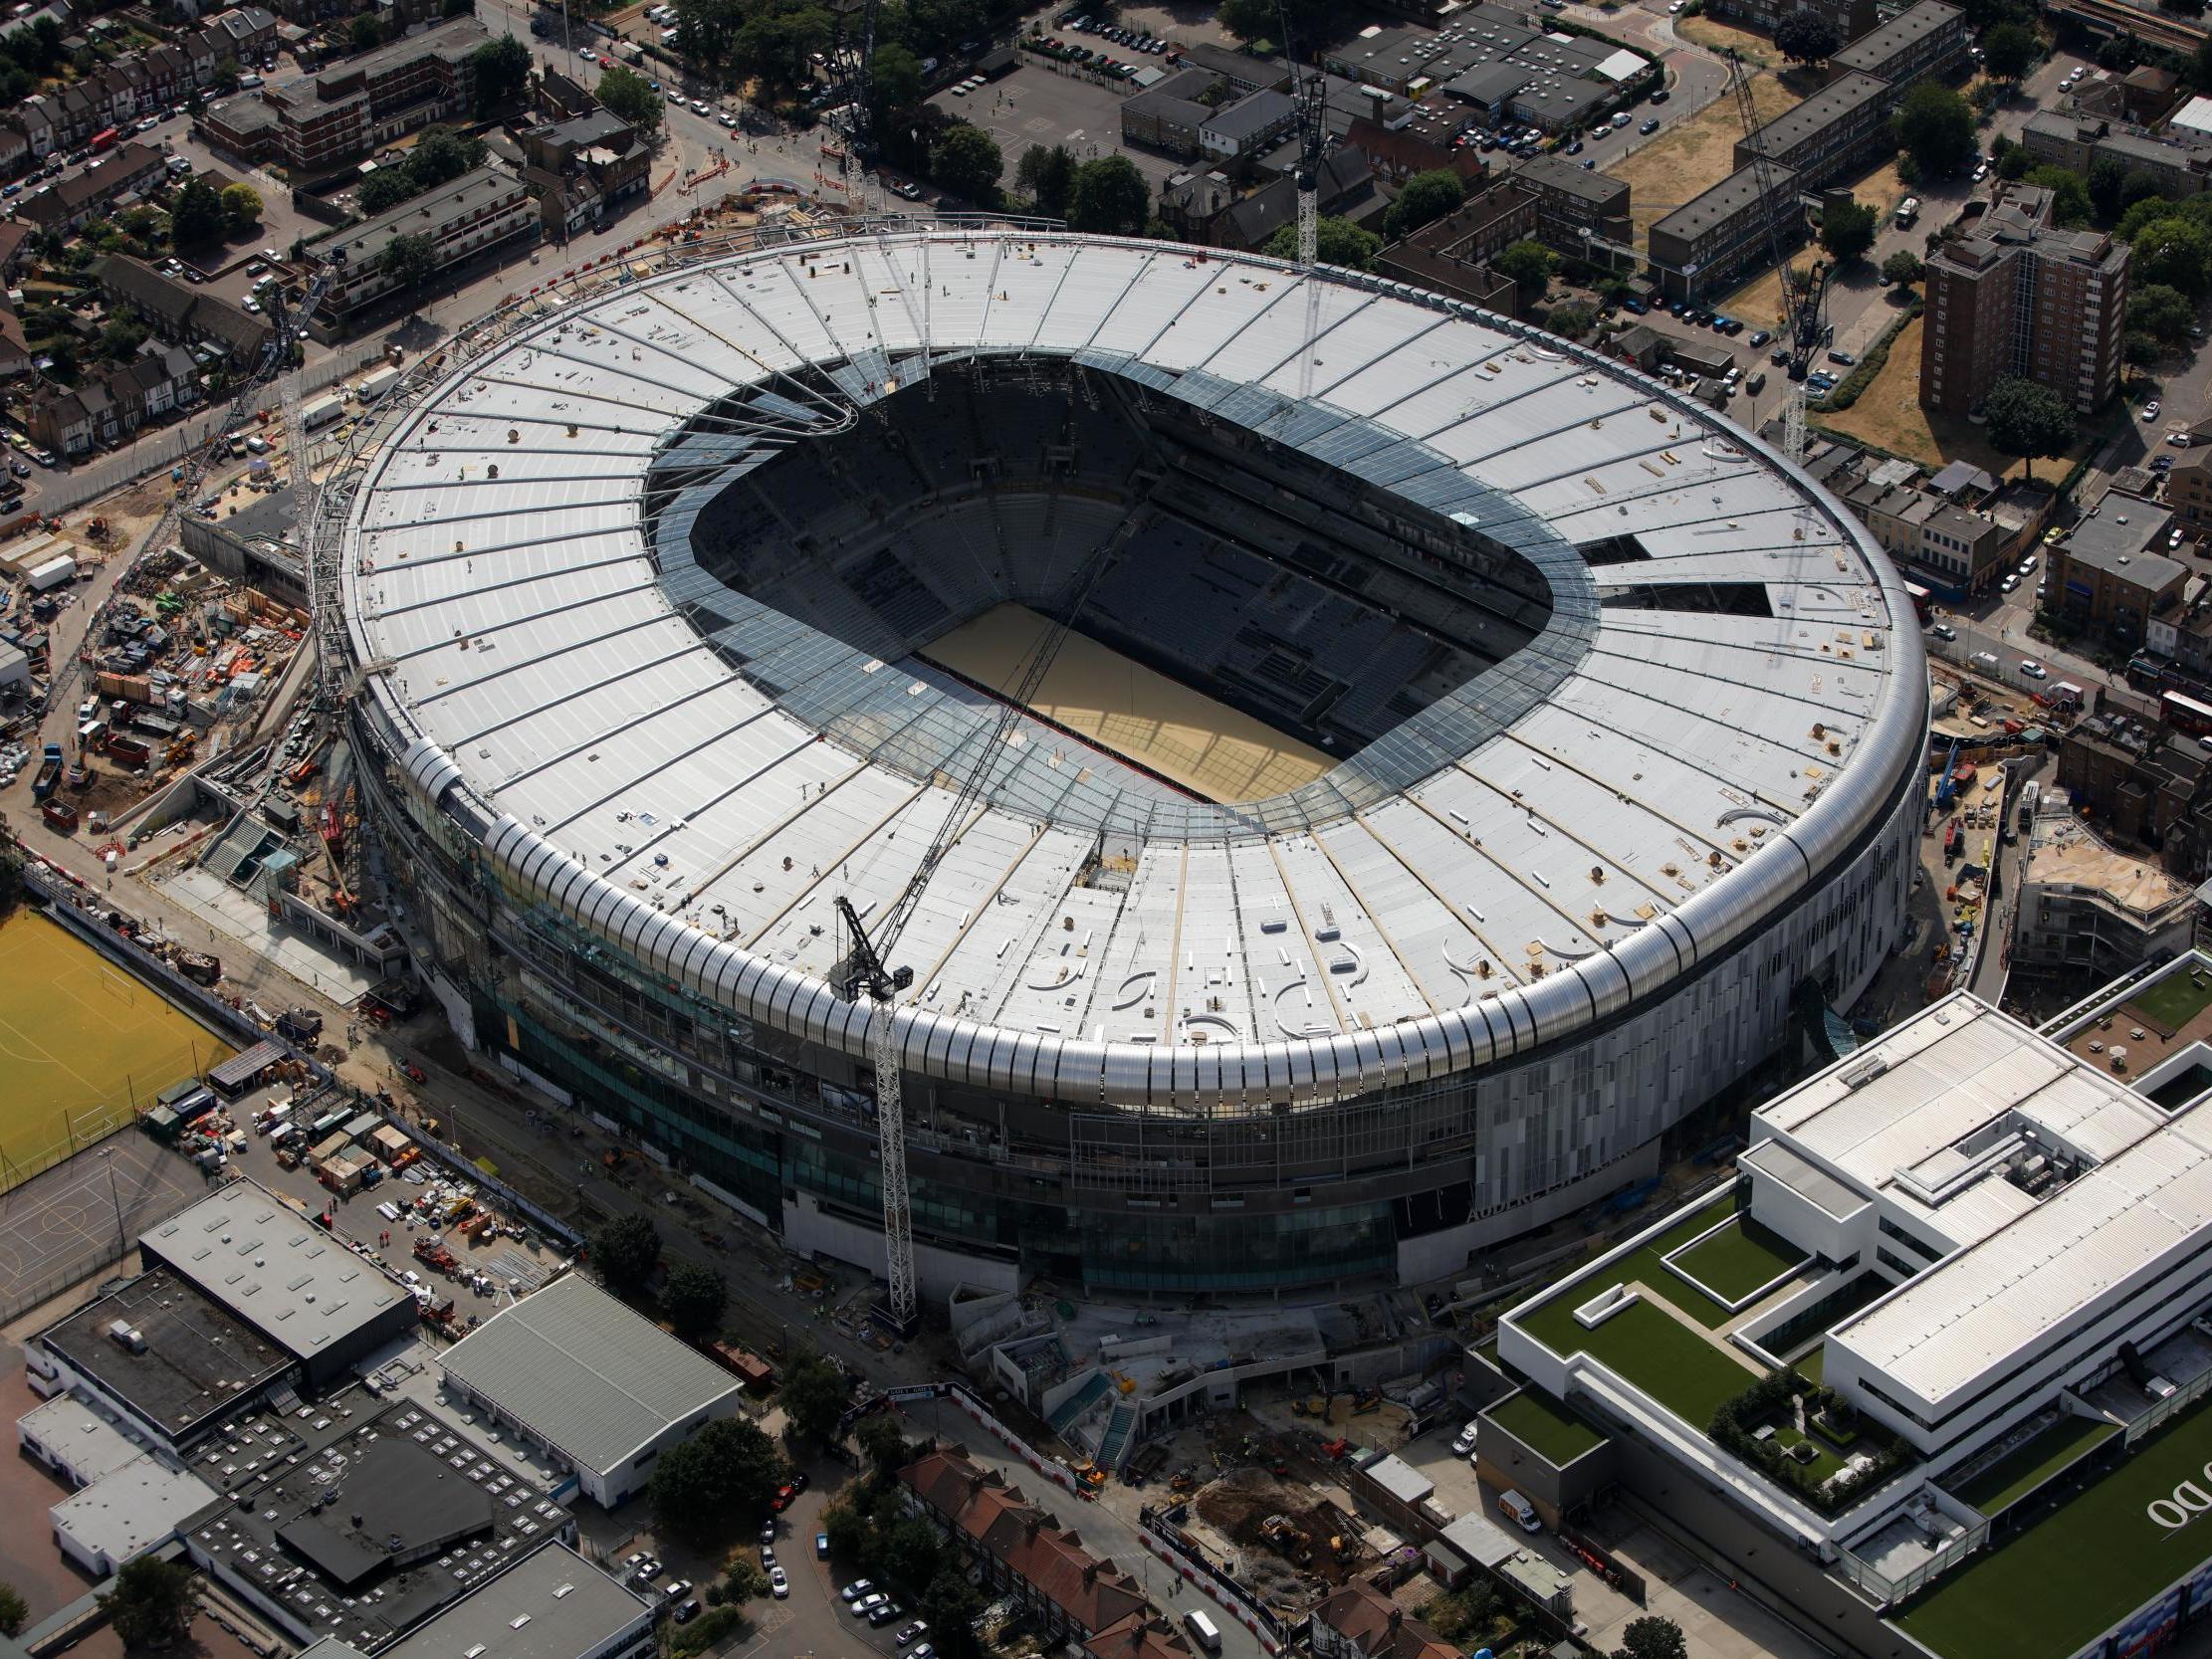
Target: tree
2028 420
779 46
14 1610
121 337
1935 127
848 1530
630 97
241 208
693 1300
2174 251
744 1580
1529 267
965 161
2107 183
911 1554
2009 49
502 66
895 80
386 187
1846 230
707 31
886 1447
1902 267
365 32
1337 241
442 154
1110 199
1806 37
2140 350
1571 320
1427 197
950 1608
1651 1638
151 1604
627 1250
1047 178
196 216
727 1471
2162 312
2071 205
815 1392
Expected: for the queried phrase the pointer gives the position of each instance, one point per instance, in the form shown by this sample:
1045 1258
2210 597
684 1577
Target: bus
2185 715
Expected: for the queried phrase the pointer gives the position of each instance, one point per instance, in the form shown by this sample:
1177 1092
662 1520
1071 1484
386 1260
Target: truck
129 751
60 816
377 382
105 139
1983 662
53 573
1520 1511
49 776
1203 1630
629 52
322 412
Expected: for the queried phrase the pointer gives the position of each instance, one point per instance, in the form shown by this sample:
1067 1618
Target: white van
1202 1630
1520 1511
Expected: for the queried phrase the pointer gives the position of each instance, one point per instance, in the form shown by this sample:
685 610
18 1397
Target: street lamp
107 1157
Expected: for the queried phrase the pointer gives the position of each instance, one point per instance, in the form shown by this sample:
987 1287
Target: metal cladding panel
779 992
429 768
1607 981
1300 1059
936 1042
1128 1073
1556 1004
998 1069
1646 958
1683 941
660 938
723 974
848 1027
1023 1063
1183 1070
505 838
816 1011
597 906
694 956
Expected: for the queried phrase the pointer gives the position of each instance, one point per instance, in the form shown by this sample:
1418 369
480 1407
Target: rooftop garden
2034 1461
1740 1258
2173 1002
1546 1428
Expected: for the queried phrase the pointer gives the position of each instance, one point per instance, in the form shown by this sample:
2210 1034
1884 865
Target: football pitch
83 1046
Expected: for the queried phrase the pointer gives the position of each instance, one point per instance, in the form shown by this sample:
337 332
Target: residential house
181 315
1358 1621
71 202
1418 140
2110 570
1021 1551
582 168
1347 191
1828 135
324 120
2178 161
1145 1635
1452 255
1574 205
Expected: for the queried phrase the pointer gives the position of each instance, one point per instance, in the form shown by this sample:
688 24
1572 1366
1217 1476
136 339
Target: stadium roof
553 1604
1426 906
585 1373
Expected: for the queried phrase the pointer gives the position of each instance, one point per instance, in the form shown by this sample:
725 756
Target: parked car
1465 1443
2150 410
853 1591
779 1584
2032 669
1647 126
1944 631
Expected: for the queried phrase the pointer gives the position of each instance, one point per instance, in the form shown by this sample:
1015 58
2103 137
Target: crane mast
1309 91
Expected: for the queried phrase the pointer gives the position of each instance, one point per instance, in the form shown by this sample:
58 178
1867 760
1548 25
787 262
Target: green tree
744 1580
850 1536
1529 266
1571 320
151 1604
502 66
779 46
121 337
895 80
1336 241
2161 311
814 1394
627 1250
2028 420
727 1471
241 208
442 154
1047 178
1902 267
965 161
911 1555
1463 1616
2107 183
2014 162
693 1300
14 1610
951 1607
1846 230
1110 199
196 216
629 96
886 1447
707 32
2070 204
2174 251
1427 197
1807 37
386 187
2139 349
1935 127
365 32
1651 1637
2009 49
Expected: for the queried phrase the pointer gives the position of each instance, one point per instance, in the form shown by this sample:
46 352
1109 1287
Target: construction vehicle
1288 1539
1367 1400
49 776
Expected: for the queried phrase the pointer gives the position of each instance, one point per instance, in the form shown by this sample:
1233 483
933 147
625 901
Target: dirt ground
1237 1507
1716 36
1758 301
1889 413
1694 155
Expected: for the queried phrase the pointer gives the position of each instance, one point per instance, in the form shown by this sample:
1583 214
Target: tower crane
865 968
1804 308
854 58
1309 91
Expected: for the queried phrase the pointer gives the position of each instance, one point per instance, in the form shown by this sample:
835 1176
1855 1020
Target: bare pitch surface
83 1045
1185 736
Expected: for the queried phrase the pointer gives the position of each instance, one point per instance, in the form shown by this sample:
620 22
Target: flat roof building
127 1512
159 1356
1820 140
1710 239
262 1261
321 1530
550 1604
1923 40
602 1387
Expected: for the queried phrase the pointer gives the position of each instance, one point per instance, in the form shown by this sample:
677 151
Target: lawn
1543 1428
1553 1323
1672 1361
1739 1258
2027 1466
1722 38
81 1044
1693 154
1888 414
2173 1001
2084 1566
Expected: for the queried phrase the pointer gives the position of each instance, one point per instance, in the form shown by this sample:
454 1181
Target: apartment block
1452 255
1923 40
1571 200
2180 161
1846 123
2016 296
461 218
1851 17
1710 240
315 122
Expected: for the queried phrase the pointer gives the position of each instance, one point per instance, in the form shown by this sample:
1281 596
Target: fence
18 1296
1166 1540
95 1124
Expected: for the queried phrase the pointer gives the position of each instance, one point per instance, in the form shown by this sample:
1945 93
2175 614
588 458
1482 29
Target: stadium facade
1631 719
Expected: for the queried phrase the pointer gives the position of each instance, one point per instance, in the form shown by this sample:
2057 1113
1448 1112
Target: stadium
1446 757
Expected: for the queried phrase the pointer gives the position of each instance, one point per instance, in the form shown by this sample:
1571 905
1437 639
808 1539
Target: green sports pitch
83 1046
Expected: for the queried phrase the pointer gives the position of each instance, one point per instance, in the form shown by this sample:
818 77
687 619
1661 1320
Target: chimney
1397 1617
